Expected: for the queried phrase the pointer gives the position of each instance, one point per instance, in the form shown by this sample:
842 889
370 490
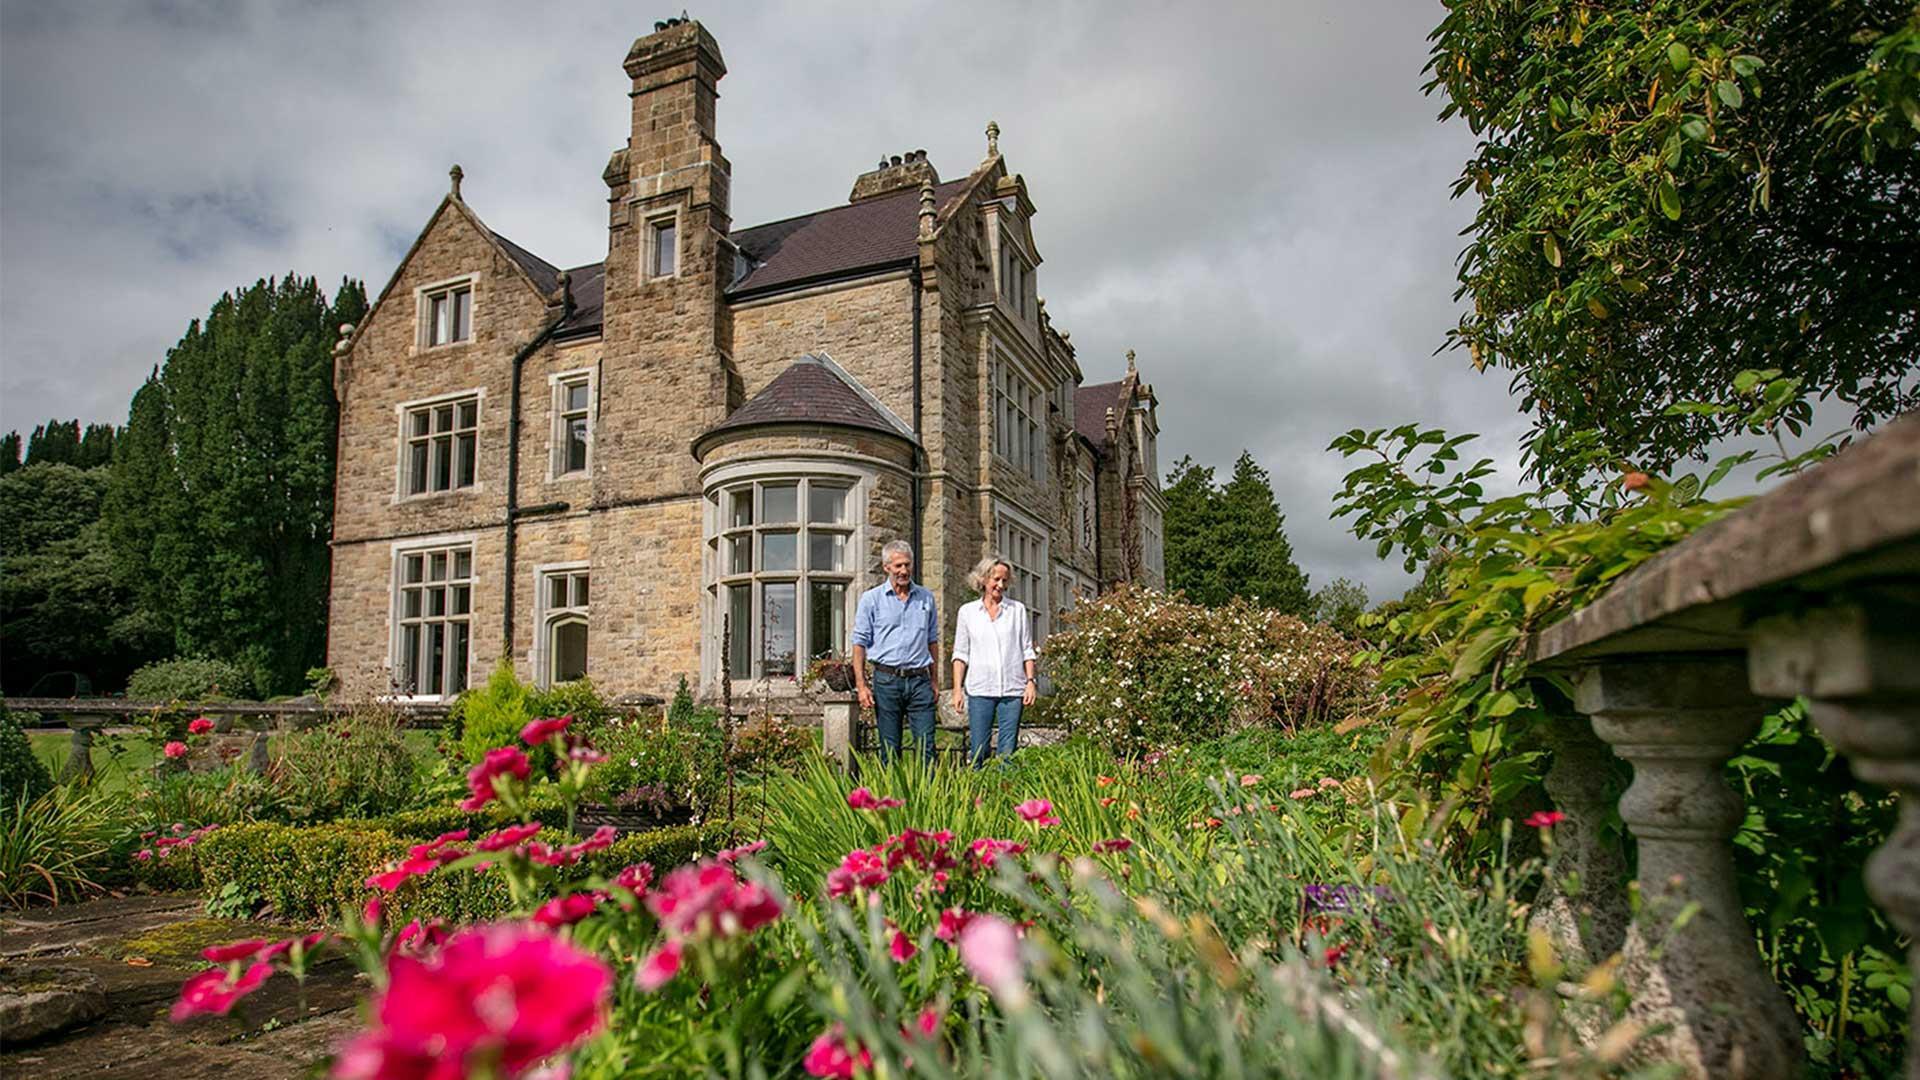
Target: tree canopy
1671 194
1229 540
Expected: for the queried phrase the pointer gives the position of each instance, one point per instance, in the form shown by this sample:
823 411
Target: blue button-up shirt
896 632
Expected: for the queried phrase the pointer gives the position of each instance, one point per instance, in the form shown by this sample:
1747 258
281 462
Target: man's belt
900 672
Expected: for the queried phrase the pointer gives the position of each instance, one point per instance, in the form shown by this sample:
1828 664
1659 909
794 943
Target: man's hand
866 696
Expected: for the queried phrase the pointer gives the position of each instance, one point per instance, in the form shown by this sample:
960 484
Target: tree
1228 541
1671 194
221 504
56 442
9 452
1339 604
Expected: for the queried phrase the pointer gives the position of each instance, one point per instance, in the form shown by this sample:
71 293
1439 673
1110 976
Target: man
897 626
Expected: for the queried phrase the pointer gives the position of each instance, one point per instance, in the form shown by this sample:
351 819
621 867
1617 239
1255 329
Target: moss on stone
182 942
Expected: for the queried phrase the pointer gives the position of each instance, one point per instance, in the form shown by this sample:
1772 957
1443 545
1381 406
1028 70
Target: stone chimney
898 173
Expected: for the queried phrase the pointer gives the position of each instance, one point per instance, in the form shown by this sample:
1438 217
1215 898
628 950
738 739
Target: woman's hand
959 700
1027 695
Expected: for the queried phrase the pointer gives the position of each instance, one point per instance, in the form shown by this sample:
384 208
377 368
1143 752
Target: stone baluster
1583 904
1690 960
839 719
79 766
1859 667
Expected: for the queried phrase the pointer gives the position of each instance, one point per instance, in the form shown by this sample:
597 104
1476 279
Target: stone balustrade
1812 589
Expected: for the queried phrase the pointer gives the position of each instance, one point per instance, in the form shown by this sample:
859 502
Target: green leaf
1552 248
1478 652
1729 94
1695 129
1669 197
1504 704
1744 66
1678 57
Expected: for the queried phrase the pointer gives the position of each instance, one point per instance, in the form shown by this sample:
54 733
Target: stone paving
140 949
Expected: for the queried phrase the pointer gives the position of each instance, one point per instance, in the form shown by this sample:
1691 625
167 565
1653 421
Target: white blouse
994 650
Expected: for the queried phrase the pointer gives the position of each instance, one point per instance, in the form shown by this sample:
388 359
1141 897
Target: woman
993 661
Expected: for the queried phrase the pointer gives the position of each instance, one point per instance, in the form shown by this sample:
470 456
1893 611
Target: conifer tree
56 442
9 452
1191 564
1230 540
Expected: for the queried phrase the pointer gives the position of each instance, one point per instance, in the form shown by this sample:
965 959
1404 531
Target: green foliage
1339 604
1229 541
224 796
579 699
1137 669
189 679
542 804
360 766
492 714
680 758
9 452
222 495
1667 197
22 775
59 442
54 846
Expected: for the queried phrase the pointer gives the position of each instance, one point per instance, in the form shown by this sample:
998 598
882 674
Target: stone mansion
591 469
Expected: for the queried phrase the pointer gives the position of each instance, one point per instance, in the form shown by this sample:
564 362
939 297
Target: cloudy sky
1253 197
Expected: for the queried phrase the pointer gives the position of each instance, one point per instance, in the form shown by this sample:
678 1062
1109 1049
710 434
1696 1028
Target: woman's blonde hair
977 577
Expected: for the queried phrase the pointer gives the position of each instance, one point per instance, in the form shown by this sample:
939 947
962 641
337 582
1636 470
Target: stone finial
346 329
993 138
566 290
1113 425
456 173
1130 368
346 338
926 209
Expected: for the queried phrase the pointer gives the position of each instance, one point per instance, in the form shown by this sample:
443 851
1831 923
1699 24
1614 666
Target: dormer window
446 313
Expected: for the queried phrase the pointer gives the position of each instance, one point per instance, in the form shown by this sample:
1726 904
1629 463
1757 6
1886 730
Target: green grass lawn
117 758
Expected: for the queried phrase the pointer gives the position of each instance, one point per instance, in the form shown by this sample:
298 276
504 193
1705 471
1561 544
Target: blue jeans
895 698
985 713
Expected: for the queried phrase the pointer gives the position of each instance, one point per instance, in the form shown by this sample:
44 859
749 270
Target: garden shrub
579 699
677 758
769 745
425 823
492 714
189 678
58 845
360 766
23 776
1137 668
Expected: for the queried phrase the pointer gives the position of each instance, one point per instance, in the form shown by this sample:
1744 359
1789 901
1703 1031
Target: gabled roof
1090 405
837 242
545 276
589 287
812 390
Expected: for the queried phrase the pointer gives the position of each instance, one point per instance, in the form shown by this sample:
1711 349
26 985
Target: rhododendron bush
1137 669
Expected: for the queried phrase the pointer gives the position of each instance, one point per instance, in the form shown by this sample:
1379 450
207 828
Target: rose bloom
502 997
539 731
1544 819
505 761
200 726
175 749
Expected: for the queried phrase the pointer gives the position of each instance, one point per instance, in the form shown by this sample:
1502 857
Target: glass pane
826 619
437 321
408 675
462 599
665 249
577 397
569 651
740 614
443 418
457 676
465 471
410 604
417 467
576 444
741 561
469 413
777 627
414 565
780 551
462 315
436 658
442 464
742 506
826 551
437 566
826 505
436 602
557 591
463 564
779 504
417 422
579 590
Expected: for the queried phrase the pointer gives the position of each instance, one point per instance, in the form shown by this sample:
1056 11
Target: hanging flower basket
834 672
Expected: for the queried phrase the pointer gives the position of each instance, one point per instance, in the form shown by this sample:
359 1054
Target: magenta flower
660 966
216 989
539 731
566 910
636 878
709 899
1039 812
1118 843
501 998
503 763
200 726
952 922
901 948
237 950
862 799
511 836
986 850
833 1055
862 868
1545 819
990 948
175 749
735 854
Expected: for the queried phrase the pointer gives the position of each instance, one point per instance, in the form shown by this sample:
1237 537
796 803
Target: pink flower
1250 779
990 948
1328 782
238 950
862 799
1303 793
901 948
417 938
926 1024
413 867
862 868
200 726
1545 819
511 836
1037 811
372 912
832 1055
215 990
500 764
952 922
502 997
143 855
986 850
175 749
285 946
539 731
636 878
709 899
566 910
1118 843
735 854
660 966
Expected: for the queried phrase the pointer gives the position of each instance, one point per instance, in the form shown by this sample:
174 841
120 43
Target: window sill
432 496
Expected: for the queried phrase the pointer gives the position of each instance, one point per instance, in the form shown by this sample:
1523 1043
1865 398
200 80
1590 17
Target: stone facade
614 550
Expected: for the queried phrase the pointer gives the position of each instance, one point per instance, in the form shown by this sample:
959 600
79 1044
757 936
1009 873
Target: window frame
1031 562
399 620
405 439
557 434
1019 427
425 323
577 610
650 246
722 579
1086 524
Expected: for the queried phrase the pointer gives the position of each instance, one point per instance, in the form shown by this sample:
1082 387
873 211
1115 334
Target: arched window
563 625
783 549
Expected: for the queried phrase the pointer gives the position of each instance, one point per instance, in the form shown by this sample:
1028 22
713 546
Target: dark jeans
895 698
983 715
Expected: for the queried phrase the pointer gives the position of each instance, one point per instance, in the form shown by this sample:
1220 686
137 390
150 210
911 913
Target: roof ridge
892 195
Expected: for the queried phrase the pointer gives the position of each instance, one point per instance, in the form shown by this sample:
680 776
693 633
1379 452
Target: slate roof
1090 405
589 286
544 274
813 390
836 242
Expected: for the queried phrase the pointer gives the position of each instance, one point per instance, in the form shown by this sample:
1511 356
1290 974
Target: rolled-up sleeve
933 620
1026 634
863 621
962 640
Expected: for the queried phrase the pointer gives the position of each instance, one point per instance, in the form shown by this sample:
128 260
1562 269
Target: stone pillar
1859 667
79 766
1690 960
1583 904
838 718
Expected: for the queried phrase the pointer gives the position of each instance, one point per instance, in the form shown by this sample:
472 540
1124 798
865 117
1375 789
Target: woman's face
996 589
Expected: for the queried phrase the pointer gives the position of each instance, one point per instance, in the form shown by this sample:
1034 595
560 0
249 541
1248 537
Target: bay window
783 551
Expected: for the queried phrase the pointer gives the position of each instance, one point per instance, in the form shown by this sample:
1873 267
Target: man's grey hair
895 547
982 570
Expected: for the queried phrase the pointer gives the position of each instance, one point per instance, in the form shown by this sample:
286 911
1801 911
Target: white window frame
722 578
1086 523
651 225
1015 277
549 617
399 618
1019 430
557 445
404 438
1153 541
1024 542
423 297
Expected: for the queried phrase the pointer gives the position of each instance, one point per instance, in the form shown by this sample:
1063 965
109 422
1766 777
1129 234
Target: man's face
900 570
